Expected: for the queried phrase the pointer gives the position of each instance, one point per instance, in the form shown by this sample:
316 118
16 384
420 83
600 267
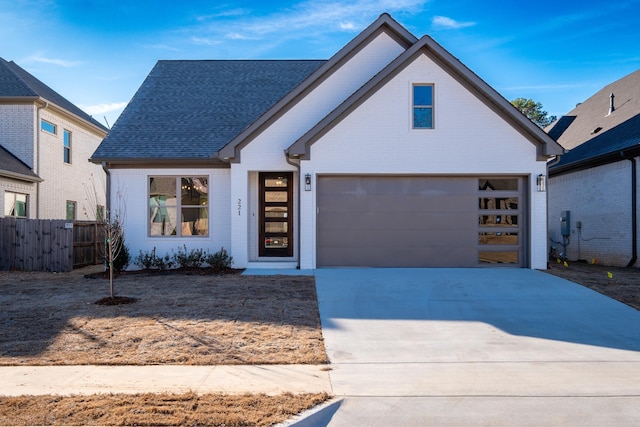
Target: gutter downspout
37 171
297 166
105 168
634 213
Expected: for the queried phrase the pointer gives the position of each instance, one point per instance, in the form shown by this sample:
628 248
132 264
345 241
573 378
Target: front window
178 206
71 210
423 106
67 146
15 204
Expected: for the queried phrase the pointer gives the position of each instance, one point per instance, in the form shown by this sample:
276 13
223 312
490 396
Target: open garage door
409 221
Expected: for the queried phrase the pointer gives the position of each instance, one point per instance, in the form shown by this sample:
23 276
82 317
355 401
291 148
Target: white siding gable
467 137
266 151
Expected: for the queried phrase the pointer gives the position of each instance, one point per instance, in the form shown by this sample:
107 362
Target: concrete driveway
475 346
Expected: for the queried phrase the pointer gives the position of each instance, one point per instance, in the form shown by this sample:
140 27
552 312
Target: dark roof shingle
12 166
15 82
590 132
190 109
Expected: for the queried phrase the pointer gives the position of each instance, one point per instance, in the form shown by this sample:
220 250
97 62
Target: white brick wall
600 199
19 130
131 187
17 127
80 181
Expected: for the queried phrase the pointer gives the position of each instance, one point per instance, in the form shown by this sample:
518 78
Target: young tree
116 253
533 110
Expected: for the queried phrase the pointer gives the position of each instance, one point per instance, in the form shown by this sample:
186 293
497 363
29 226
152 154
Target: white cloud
348 26
54 61
103 108
239 36
204 41
306 17
448 23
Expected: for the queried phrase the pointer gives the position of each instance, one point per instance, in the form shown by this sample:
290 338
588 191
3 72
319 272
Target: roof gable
16 83
385 23
546 146
191 109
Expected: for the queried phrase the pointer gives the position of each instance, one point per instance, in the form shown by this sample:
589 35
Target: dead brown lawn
619 283
187 409
178 318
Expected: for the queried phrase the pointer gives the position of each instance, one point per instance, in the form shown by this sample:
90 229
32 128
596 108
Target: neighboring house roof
426 45
12 167
16 83
191 109
593 134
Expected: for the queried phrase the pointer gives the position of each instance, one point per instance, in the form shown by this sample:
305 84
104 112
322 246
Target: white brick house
388 154
596 180
45 144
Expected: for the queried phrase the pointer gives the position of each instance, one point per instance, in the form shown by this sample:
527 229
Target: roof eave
602 159
149 162
20 176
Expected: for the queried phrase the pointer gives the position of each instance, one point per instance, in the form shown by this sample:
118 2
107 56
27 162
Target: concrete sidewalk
85 380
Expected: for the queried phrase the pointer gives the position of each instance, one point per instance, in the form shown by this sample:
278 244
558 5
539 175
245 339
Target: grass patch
187 409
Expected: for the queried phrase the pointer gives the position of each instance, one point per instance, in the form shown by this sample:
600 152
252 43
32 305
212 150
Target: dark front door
276 214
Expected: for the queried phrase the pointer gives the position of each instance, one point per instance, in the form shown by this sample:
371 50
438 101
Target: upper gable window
48 127
423 106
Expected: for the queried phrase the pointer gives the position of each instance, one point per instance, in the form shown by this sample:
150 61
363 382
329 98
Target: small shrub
219 260
192 259
122 259
163 263
146 260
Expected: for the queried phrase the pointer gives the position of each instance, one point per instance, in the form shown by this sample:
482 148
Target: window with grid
67 146
423 106
178 206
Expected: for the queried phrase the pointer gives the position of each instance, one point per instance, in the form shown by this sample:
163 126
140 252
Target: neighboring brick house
45 144
392 153
596 181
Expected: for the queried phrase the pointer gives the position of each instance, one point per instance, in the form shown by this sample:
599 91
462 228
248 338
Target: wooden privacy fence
88 243
48 245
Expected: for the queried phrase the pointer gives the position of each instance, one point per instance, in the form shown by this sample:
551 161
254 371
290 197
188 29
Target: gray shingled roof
15 82
11 166
591 133
191 109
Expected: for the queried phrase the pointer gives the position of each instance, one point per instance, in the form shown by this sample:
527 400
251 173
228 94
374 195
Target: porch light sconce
542 183
307 182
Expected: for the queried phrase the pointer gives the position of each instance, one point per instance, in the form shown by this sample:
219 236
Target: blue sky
96 53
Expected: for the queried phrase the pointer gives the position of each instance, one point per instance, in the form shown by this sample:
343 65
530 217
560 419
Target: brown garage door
397 221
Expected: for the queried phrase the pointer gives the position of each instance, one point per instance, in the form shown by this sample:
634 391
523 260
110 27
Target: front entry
276 214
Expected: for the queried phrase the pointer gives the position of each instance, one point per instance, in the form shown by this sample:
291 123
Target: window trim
66 147
179 206
55 127
26 204
75 210
415 106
